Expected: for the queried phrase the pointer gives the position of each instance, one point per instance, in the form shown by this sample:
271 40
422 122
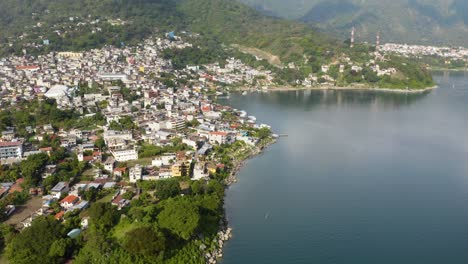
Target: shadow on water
312 99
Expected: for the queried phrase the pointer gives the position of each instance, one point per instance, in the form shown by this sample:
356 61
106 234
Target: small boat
253 118
244 93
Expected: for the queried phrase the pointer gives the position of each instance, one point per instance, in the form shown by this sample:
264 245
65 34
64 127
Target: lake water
364 177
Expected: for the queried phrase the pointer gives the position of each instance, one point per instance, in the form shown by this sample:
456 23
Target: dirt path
24 211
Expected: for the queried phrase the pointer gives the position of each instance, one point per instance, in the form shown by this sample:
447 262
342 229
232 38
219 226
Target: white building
135 173
164 160
11 150
125 155
109 164
218 137
199 172
57 92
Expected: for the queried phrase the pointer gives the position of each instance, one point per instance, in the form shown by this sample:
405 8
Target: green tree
167 188
180 216
32 245
59 248
100 143
103 216
144 241
32 168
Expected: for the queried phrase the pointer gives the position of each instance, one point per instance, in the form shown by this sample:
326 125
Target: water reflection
310 99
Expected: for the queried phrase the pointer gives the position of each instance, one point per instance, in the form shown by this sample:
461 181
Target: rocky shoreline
225 232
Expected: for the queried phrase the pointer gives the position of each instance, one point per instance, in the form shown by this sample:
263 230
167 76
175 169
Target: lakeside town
130 125
448 54
129 117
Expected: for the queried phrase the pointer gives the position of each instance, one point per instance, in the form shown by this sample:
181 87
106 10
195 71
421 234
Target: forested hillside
38 26
414 21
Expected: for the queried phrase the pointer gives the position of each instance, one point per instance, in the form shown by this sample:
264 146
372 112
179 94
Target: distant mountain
221 26
412 21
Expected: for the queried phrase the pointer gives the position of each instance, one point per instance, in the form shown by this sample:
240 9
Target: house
135 173
59 189
69 201
179 169
46 150
80 206
218 137
49 170
59 215
120 202
164 160
199 172
119 172
109 164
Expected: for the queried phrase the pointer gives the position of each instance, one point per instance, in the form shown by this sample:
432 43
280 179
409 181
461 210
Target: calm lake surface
364 177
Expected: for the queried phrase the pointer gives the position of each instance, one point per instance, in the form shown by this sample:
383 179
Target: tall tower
377 41
353 31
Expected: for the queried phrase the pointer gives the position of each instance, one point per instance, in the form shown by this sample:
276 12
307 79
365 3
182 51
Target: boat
244 93
253 118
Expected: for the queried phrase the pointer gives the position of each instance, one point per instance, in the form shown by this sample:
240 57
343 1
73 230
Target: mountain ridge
437 22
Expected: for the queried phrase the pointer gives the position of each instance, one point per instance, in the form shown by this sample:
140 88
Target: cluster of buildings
449 53
184 122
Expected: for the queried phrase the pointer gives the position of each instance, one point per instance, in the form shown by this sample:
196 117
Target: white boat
253 118
244 93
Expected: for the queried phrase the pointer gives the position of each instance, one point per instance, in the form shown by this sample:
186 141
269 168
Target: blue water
364 177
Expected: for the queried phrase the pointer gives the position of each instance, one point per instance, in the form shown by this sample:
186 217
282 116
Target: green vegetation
43 242
285 40
414 21
39 113
149 150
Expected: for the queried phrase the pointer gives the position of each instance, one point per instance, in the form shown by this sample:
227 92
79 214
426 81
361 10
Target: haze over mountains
411 21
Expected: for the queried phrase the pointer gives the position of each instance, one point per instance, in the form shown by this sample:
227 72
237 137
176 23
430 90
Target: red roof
87 158
69 199
17 186
117 199
59 215
206 108
120 169
9 144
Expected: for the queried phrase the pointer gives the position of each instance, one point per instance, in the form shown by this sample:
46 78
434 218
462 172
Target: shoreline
337 88
225 232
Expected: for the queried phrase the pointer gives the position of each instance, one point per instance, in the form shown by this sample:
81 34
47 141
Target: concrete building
135 173
125 155
11 150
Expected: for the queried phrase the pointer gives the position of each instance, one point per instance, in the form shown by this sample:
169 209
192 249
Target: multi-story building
11 150
179 169
125 155
176 123
135 173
